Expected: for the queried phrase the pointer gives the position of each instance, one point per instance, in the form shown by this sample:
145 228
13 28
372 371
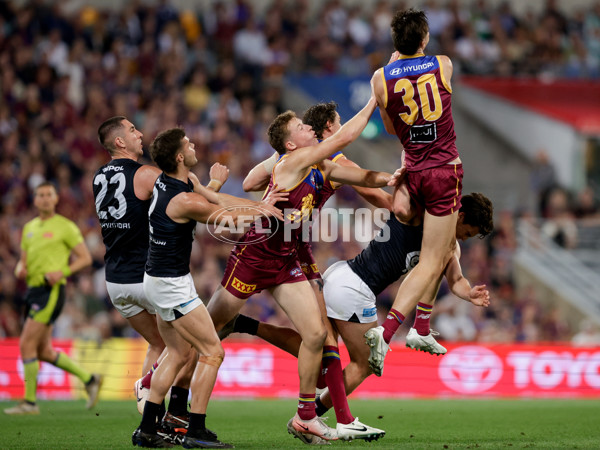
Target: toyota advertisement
254 369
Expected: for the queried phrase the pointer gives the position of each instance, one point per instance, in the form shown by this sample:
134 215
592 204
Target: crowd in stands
219 73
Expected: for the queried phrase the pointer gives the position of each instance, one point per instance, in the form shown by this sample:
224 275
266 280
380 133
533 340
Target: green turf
434 424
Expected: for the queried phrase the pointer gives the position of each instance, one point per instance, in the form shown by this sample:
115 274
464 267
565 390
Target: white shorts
129 299
172 297
347 297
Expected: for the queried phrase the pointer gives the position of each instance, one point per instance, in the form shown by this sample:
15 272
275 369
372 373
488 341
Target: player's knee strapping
212 360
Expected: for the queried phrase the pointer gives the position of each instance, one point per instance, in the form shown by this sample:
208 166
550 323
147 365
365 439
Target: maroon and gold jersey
297 211
328 188
419 102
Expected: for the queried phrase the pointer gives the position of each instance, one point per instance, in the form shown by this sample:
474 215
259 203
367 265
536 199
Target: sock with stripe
148 377
332 366
65 363
422 316
306 406
391 324
31 367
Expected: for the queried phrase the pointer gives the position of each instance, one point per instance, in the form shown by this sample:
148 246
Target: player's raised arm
380 91
192 206
355 175
218 176
376 197
258 177
309 156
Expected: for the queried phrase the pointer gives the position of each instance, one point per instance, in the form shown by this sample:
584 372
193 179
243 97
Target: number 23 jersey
124 221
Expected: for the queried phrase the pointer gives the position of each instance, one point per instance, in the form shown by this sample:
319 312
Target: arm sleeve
73 234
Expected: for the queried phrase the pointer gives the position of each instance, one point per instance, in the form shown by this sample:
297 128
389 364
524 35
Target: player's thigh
317 285
145 324
439 234
177 346
352 334
197 328
223 306
299 303
32 336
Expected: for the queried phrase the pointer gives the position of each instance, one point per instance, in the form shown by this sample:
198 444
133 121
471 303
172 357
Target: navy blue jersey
170 242
124 221
392 253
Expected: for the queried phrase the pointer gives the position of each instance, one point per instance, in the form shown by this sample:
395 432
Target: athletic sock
422 318
332 366
197 424
320 408
245 324
162 411
178 400
321 382
146 380
31 367
393 320
150 417
306 406
65 363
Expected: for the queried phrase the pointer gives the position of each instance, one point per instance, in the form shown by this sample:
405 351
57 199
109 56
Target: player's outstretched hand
276 195
271 211
480 296
398 177
268 203
219 172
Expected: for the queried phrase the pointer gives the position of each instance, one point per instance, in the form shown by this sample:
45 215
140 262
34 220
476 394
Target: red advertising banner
53 383
255 369
467 370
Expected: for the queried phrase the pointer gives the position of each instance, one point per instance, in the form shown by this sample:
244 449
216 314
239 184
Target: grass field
414 424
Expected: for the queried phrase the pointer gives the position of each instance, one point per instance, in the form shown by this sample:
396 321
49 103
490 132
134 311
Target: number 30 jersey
124 221
419 102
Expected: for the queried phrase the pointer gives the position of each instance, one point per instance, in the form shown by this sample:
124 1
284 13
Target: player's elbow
247 185
86 260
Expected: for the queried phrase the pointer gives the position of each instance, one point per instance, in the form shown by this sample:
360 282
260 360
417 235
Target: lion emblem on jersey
305 211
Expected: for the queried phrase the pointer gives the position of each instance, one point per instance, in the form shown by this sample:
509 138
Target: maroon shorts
247 272
437 190
307 262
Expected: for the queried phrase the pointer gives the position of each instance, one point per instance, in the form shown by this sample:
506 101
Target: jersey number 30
121 209
431 112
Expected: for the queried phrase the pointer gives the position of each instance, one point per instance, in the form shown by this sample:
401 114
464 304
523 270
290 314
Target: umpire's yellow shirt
48 244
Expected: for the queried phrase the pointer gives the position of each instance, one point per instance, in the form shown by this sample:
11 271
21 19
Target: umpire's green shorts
45 303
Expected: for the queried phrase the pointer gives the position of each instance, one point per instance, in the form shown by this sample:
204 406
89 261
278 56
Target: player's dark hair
106 132
45 184
318 115
278 131
409 28
164 149
478 212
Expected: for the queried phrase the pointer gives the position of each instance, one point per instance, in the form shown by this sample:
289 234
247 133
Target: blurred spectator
559 224
543 179
452 320
588 334
586 206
